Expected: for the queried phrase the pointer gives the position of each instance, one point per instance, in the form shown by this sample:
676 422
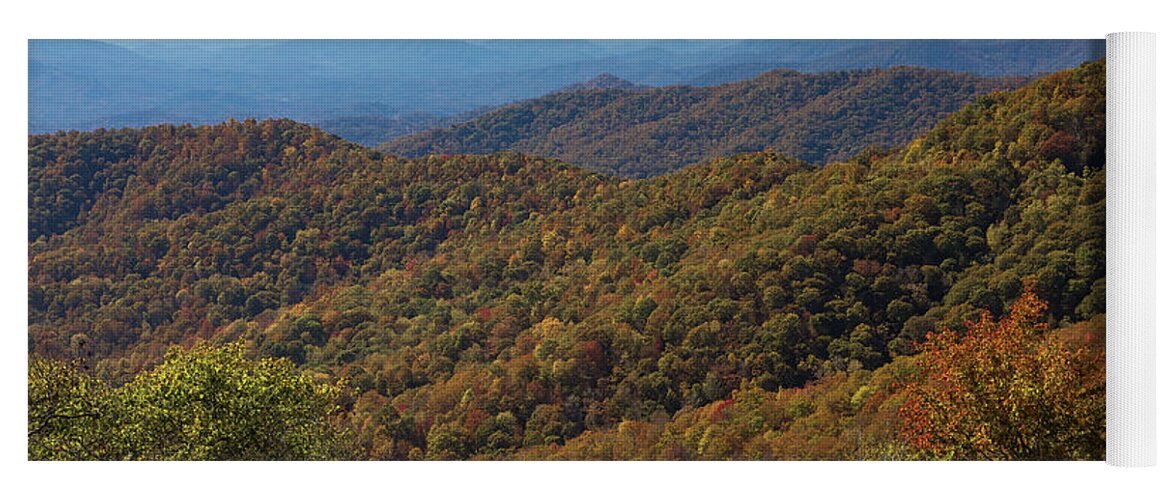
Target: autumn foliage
1007 390
505 306
643 132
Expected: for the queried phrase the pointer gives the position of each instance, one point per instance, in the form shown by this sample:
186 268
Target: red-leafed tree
1007 390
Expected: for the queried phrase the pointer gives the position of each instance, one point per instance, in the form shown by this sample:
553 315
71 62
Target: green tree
206 403
70 413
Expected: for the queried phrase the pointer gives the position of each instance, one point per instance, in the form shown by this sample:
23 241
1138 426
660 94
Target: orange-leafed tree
1007 390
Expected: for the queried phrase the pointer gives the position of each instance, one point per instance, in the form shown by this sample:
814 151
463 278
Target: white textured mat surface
1130 249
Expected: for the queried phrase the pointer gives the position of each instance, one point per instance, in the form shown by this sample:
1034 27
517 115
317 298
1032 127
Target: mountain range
507 305
625 130
87 84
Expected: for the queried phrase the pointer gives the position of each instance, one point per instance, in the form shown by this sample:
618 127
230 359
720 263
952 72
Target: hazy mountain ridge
603 81
77 84
644 132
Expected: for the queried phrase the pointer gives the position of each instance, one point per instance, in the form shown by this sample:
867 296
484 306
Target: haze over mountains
89 84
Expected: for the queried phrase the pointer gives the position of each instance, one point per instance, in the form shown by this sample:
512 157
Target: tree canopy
205 403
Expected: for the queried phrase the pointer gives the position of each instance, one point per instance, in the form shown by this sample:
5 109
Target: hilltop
602 81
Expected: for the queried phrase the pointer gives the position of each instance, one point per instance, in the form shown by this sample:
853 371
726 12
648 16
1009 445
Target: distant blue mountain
86 84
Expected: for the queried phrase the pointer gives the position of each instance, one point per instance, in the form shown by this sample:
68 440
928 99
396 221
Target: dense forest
632 132
507 306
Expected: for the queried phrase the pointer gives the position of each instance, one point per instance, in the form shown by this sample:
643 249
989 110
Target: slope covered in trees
645 132
509 306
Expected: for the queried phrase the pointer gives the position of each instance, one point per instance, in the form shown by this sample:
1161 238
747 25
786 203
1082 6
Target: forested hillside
645 132
509 306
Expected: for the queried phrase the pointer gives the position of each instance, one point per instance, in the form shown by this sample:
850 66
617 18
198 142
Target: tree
69 413
1007 390
206 403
